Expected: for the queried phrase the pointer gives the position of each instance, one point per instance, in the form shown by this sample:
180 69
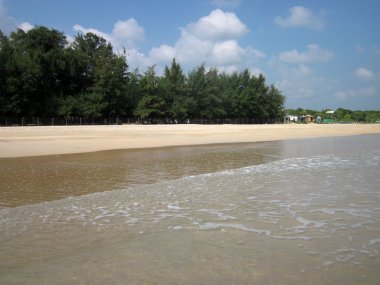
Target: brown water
46 178
292 212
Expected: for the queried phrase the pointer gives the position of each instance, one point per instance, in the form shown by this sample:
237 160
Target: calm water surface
290 212
37 179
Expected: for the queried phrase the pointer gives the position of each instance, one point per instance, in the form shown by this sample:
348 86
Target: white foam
220 215
328 211
374 241
262 200
174 206
305 222
210 226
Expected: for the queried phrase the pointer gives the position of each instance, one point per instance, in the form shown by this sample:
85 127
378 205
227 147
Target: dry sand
36 141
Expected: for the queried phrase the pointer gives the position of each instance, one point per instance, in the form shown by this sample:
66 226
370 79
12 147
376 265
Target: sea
283 212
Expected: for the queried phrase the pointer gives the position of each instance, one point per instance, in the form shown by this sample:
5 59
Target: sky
321 54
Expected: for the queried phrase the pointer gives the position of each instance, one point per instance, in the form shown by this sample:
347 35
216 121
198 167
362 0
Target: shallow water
37 179
305 212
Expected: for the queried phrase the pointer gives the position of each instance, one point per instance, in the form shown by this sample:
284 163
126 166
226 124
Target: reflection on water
307 212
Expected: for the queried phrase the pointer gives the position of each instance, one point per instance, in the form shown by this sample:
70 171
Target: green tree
180 104
211 104
197 84
347 118
42 75
5 59
133 95
275 102
99 74
151 104
88 105
36 70
340 114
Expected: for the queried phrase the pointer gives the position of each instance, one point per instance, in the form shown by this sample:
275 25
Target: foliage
41 74
340 115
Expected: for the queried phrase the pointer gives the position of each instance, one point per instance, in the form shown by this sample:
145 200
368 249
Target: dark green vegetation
41 75
340 115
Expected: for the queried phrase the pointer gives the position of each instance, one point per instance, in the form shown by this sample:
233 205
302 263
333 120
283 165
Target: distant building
291 118
308 119
330 118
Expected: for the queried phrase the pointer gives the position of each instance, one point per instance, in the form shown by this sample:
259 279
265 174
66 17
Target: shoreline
56 140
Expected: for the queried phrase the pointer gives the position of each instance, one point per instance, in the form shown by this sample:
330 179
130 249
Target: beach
52 140
295 211
190 204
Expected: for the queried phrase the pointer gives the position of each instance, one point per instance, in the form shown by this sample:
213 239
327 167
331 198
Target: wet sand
37 141
30 180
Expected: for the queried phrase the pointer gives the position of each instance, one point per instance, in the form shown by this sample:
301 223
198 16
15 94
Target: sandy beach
37 141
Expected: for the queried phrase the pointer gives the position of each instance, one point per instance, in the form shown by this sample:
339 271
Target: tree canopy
43 75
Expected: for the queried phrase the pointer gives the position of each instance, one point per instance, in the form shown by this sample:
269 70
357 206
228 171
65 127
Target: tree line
340 115
42 75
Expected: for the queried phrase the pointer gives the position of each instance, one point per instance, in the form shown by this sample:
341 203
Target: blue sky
320 54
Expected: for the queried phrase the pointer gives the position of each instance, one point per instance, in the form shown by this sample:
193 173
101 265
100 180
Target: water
37 179
305 212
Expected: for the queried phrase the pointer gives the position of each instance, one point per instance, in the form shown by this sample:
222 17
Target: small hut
290 119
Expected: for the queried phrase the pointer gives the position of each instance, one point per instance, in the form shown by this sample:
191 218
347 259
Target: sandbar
54 140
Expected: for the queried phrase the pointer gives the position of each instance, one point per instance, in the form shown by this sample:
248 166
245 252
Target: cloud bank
356 93
212 39
364 73
125 33
301 17
313 53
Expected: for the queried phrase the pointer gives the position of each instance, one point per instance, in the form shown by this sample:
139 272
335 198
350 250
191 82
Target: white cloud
83 30
301 17
190 49
358 93
226 53
164 53
365 49
128 31
256 71
313 54
225 3
304 70
295 90
137 59
125 33
212 40
364 73
300 83
26 26
307 91
69 39
293 72
218 25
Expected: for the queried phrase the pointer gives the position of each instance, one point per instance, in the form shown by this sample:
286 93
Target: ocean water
305 212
